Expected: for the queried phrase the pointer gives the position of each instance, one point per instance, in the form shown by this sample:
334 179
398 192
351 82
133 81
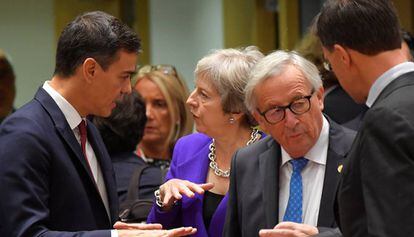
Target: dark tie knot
298 164
82 128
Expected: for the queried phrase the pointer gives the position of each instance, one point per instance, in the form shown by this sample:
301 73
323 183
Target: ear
342 55
89 69
260 120
237 116
320 96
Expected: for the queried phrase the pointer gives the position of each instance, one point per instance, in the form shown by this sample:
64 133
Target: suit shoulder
341 138
193 141
29 119
191 146
349 134
250 153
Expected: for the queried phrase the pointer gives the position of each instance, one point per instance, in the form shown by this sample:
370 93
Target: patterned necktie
294 208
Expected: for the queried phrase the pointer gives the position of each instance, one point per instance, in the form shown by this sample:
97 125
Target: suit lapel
63 128
68 136
269 162
339 145
70 139
195 172
330 184
218 218
106 167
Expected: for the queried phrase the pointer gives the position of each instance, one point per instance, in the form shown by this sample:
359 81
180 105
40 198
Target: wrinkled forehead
291 79
281 89
206 81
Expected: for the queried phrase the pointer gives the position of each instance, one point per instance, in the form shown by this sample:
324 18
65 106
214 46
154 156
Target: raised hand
172 191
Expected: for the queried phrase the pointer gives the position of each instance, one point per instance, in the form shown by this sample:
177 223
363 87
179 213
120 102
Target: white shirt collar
319 151
386 78
70 113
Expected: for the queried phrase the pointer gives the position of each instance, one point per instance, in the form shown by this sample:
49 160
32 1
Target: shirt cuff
114 233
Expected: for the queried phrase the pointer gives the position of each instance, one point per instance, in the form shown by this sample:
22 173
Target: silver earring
232 120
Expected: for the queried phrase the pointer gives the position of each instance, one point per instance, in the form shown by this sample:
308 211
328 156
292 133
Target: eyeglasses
278 113
164 68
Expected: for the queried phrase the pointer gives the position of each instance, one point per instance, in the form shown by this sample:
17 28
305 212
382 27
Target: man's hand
289 229
137 226
182 231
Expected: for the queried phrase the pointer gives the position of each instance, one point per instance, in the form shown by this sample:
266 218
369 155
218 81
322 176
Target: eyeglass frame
289 106
172 71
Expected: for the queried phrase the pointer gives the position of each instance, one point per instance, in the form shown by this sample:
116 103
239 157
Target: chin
104 114
152 139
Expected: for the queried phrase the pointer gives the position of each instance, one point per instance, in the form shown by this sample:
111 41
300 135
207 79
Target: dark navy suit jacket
46 188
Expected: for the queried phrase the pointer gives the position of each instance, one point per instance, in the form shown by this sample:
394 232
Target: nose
290 119
126 87
148 111
191 101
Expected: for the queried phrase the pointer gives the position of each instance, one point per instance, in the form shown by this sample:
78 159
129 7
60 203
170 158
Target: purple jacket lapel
193 207
195 172
217 221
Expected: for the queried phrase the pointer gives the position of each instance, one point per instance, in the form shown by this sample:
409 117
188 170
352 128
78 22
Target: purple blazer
190 162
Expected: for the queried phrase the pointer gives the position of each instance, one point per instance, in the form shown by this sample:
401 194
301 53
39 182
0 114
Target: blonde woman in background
168 118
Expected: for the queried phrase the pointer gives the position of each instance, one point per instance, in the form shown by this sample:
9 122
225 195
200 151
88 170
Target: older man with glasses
285 184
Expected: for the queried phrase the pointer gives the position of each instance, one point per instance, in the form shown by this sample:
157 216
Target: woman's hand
172 191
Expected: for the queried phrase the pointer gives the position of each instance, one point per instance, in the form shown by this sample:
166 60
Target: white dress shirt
312 178
73 118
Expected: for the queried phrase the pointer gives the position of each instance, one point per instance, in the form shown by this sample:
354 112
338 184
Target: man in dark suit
285 95
361 40
56 177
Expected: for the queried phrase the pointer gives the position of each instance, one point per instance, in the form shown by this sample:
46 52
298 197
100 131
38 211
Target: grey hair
229 70
275 64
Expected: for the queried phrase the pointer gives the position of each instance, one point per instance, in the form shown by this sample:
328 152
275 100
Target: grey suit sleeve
232 225
328 232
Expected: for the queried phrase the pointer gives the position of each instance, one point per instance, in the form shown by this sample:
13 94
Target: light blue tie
294 208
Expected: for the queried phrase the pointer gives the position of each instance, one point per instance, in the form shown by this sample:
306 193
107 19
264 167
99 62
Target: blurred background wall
177 32
27 35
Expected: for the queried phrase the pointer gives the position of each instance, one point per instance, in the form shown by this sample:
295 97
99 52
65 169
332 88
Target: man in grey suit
269 195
